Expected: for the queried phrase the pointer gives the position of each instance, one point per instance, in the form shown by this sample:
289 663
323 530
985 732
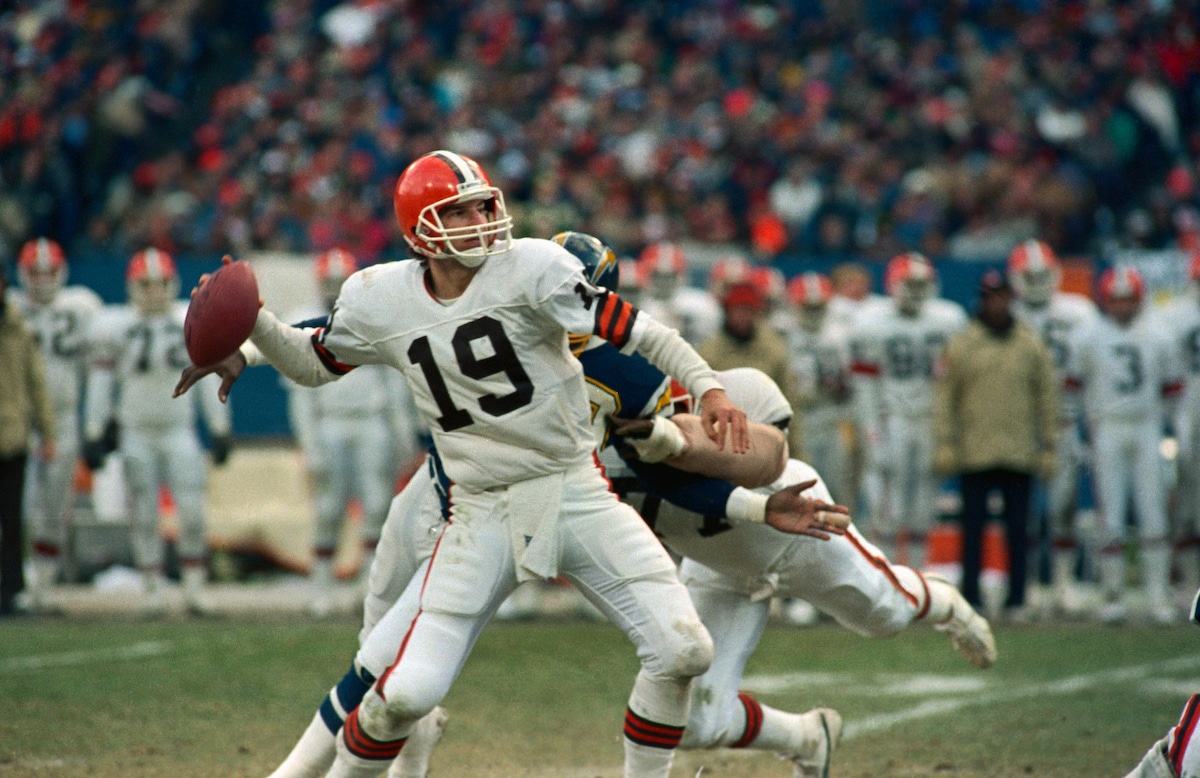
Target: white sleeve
669 352
291 351
567 296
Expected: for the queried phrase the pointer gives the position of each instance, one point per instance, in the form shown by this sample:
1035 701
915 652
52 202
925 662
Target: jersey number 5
503 360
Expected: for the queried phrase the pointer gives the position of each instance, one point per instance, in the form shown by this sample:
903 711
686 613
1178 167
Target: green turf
228 698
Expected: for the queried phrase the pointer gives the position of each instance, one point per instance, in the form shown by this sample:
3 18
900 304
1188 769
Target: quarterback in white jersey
1181 317
667 296
896 350
137 353
354 433
731 568
59 317
1035 273
479 327
1129 373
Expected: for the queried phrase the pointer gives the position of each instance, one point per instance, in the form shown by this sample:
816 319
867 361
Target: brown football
221 315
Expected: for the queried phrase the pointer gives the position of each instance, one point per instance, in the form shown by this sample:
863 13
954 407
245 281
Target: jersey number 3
502 360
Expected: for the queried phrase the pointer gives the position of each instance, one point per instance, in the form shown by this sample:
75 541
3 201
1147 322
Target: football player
1035 274
59 317
1181 317
478 326
662 277
137 352
1130 376
852 581
895 352
348 431
1174 755
820 361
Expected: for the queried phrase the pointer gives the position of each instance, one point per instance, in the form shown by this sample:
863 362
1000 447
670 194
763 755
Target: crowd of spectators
789 126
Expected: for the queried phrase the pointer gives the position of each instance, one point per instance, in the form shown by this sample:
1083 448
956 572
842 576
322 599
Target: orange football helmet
439 179
42 269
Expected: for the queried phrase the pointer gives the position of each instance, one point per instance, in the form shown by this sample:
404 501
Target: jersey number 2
503 360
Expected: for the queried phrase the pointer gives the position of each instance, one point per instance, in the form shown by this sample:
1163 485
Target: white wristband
746 505
252 355
666 440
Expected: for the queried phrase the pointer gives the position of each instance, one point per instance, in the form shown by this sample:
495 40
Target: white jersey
1057 322
143 357
1125 372
361 393
1181 318
490 371
846 312
820 365
896 355
61 329
691 312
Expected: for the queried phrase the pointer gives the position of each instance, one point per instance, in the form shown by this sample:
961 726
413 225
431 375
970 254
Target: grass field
106 698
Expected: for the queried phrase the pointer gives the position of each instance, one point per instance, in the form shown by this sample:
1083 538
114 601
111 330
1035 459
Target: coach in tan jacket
24 404
995 421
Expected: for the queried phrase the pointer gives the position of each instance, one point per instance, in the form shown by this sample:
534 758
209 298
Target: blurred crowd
790 127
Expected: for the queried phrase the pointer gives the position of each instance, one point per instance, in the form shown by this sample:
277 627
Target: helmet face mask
663 270
430 186
810 293
152 282
910 281
42 270
1122 291
1034 272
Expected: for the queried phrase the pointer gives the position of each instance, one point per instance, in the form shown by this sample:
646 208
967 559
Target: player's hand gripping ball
222 313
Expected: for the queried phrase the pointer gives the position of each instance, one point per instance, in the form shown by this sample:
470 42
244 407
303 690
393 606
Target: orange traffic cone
943 551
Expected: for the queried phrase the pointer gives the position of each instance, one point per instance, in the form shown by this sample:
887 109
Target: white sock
1064 569
347 765
1156 570
780 732
312 755
655 705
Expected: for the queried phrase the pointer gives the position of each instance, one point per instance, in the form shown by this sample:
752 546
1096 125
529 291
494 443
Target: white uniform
1181 317
136 361
693 313
507 407
354 434
1057 322
820 367
1126 375
61 328
895 359
731 569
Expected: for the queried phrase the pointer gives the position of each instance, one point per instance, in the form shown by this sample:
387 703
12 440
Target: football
221 314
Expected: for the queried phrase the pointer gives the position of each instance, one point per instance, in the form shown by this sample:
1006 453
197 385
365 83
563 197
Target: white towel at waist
532 507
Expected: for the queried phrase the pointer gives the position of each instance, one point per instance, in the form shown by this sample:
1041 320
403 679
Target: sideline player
1181 317
137 353
348 431
1035 273
1130 376
895 352
667 295
59 317
478 326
